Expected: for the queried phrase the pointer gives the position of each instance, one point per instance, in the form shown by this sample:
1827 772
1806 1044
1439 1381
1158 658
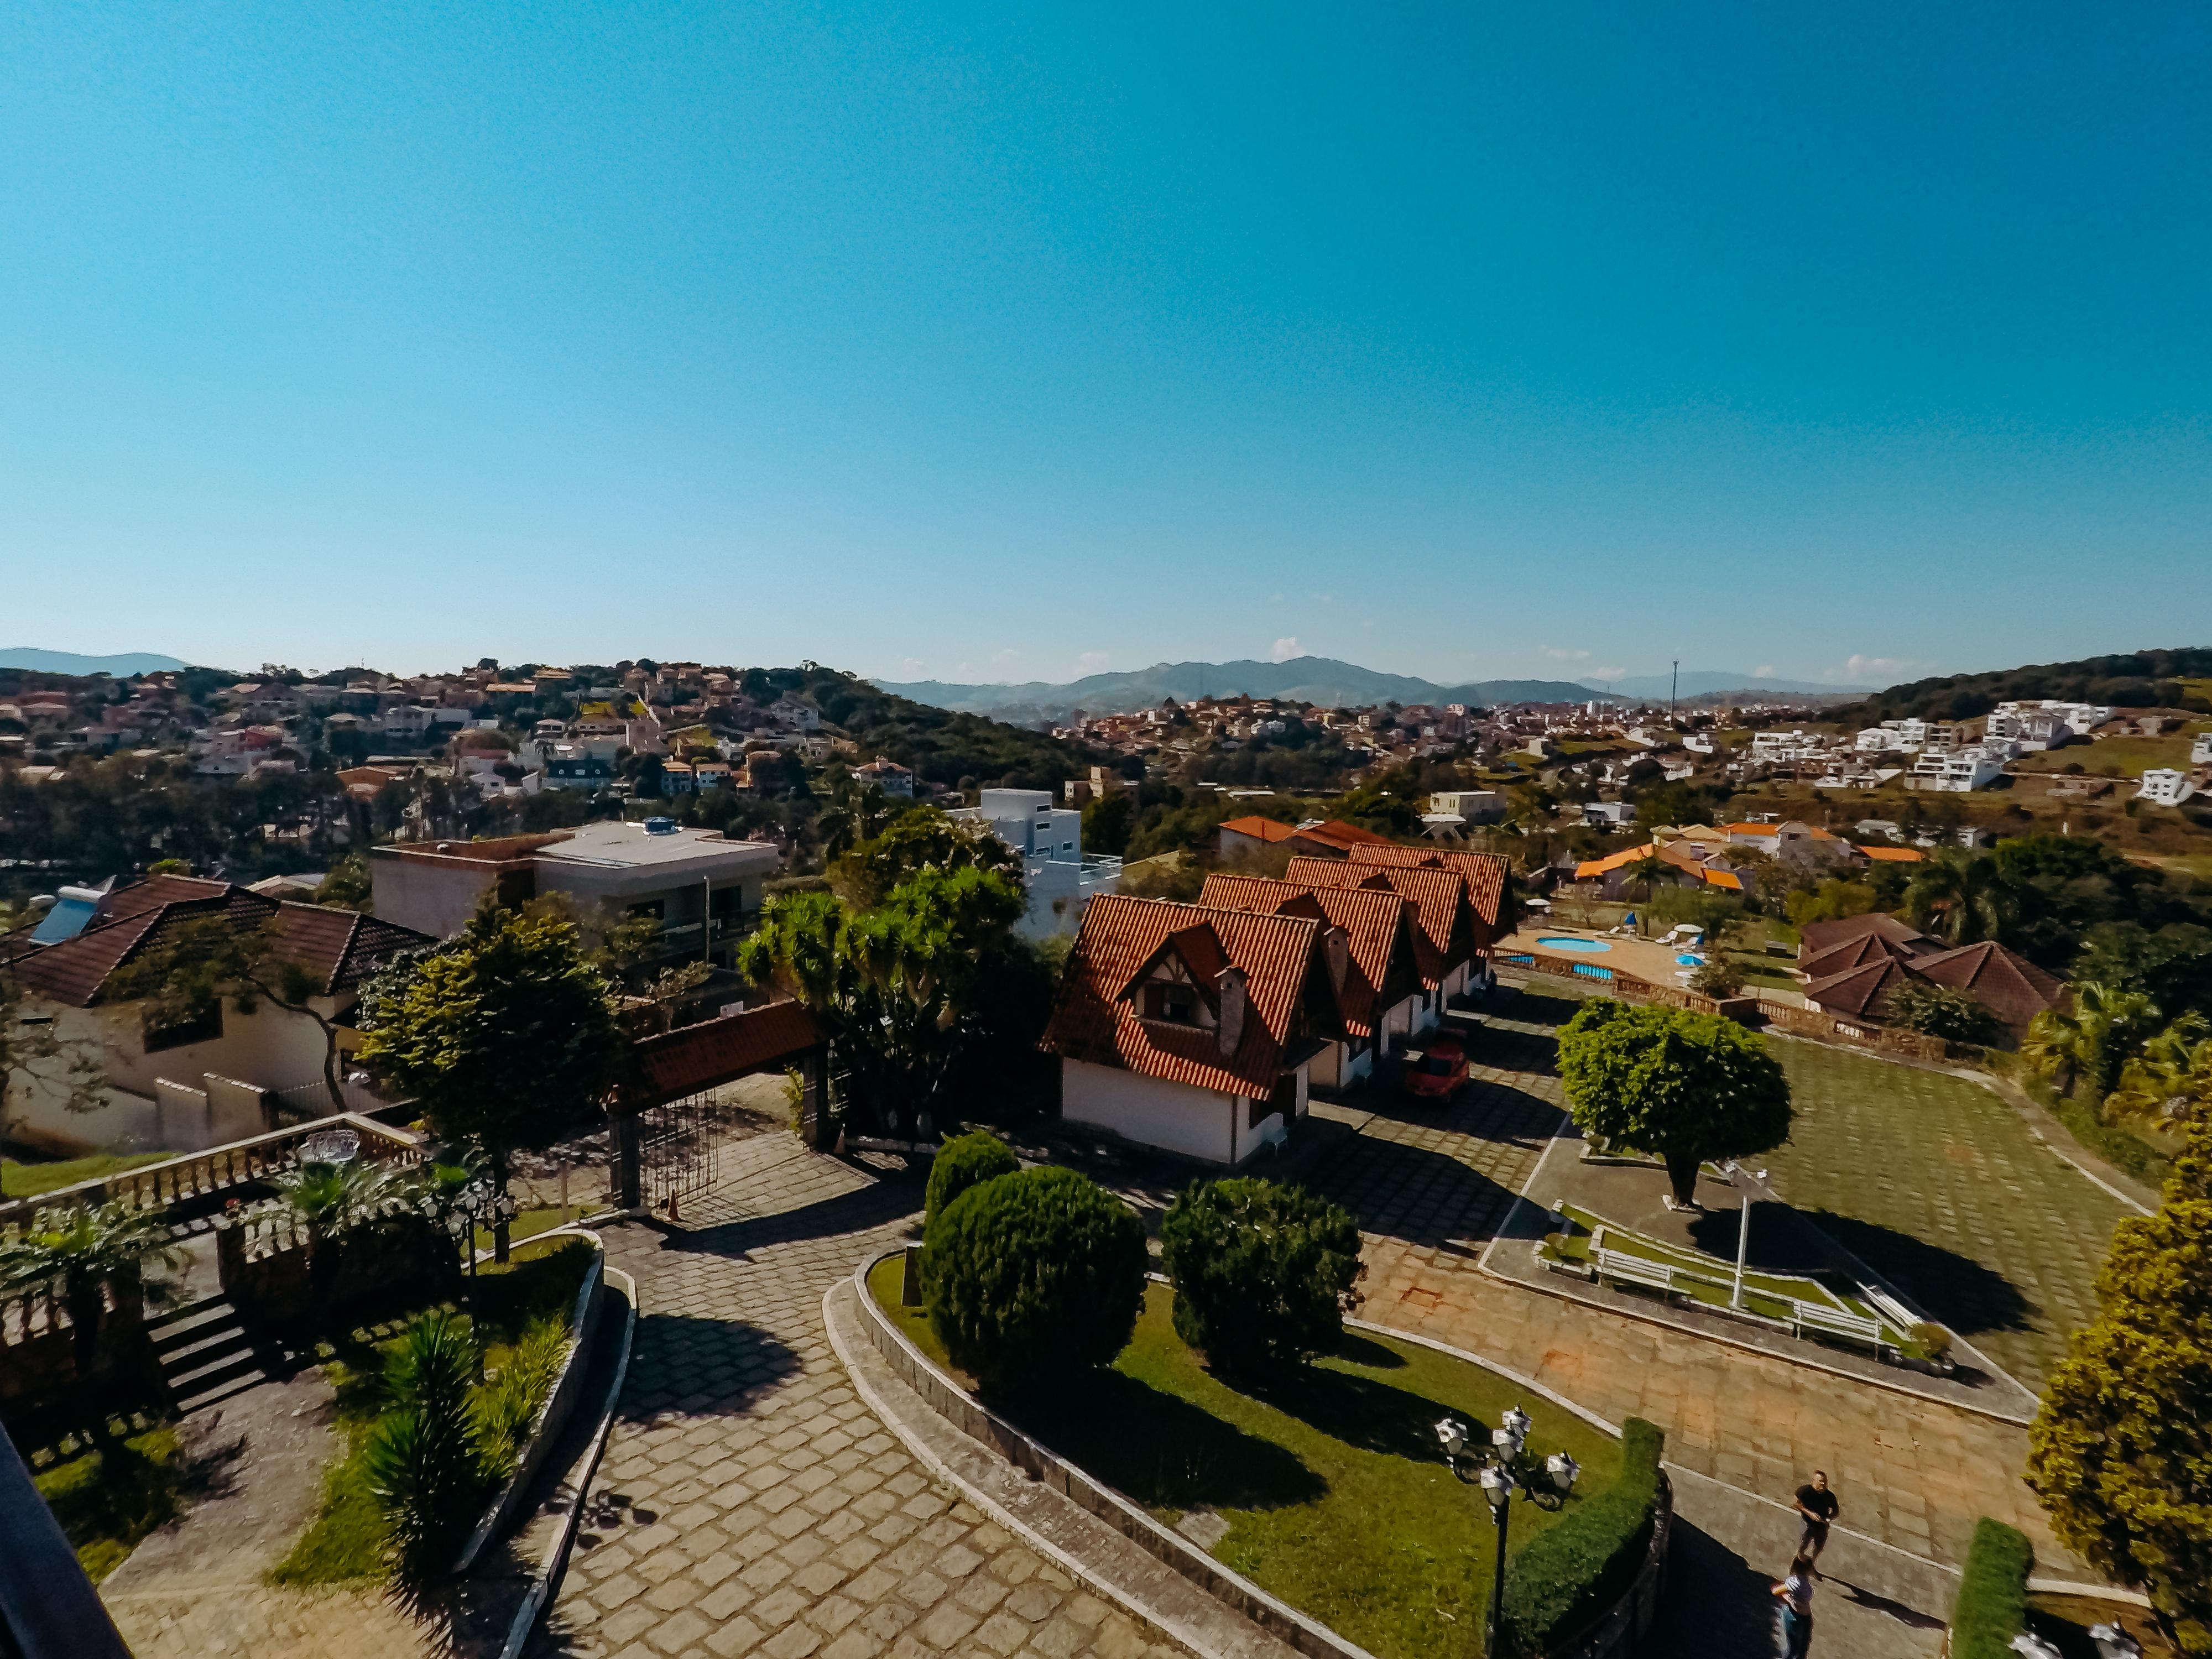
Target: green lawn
1937 1182
30 1180
107 1501
1336 1497
2115 757
344 1542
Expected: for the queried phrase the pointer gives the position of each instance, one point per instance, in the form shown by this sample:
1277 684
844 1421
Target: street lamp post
1507 1469
1735 1172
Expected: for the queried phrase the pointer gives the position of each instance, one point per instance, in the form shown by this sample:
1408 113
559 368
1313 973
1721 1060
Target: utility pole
1673 688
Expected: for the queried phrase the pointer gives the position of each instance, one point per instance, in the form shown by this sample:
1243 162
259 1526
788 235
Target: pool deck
1645 958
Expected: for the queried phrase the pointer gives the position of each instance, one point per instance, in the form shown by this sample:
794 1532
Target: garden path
748 1502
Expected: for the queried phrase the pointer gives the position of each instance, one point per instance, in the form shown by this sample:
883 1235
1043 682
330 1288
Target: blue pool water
1588 946
1689 960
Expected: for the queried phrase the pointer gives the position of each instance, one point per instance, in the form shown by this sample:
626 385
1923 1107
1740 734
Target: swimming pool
1587 947
1688 959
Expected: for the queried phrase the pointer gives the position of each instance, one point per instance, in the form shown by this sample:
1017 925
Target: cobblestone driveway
748 1502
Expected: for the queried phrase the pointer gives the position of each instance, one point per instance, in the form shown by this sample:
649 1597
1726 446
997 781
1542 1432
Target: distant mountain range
70 662
1322 680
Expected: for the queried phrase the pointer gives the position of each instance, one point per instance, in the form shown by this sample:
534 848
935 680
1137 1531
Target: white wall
1200 1123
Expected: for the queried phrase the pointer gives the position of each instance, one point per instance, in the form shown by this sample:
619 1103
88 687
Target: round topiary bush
963 1162
1263 1273
1034 1276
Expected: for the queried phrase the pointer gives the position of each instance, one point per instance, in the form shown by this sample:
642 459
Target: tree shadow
1357 1349
703 1366
1363 1412
1407 1191
1162 1450
863 1209
1715 1602
1956 1289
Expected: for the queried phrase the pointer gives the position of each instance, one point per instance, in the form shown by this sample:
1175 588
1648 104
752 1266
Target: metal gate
679 1148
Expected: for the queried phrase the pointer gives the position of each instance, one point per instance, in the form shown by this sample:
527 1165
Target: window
1177 1003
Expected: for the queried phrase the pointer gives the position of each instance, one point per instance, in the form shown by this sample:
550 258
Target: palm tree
81 1253
858 812
1958 897
2089 1045
2173 1071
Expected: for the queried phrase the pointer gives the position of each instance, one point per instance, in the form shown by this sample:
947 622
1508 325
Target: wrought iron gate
680 1146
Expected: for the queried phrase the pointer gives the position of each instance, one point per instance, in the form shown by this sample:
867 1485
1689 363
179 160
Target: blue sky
998 343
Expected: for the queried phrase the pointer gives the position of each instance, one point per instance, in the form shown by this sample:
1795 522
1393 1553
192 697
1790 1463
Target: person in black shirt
1819 1506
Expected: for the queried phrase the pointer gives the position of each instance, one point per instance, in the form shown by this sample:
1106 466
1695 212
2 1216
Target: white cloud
1091 662
1604 674
911 667
1004 653
1764 671
1860 670
1287 647
1563 653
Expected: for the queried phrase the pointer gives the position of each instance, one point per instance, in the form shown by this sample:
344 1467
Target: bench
1633 1269
1808 1315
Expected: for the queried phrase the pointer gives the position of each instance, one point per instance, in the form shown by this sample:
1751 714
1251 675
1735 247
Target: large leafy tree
1958 897
2089 1044
920 838
904 991
2121 1452
1685 1087
2172 965
505 1037
2057 888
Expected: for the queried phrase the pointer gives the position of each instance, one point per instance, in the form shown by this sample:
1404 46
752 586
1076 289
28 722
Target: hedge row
1563 1578
1992 1605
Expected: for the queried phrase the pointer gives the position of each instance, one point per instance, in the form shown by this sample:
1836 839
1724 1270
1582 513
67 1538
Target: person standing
1793 1618
1817 1506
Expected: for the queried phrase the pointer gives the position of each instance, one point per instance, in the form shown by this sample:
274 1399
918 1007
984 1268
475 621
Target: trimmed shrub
1992 1605
1263 1273
1033 1277
1562 1579
963 1162
422 1456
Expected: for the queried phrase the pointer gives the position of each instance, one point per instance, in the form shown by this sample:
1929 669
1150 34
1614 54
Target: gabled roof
1444 933
1891 854
1286 983
1854 952
1378 928
1259 829
1858 991
2003 980
1336 833
1818 937
338 948
1484 875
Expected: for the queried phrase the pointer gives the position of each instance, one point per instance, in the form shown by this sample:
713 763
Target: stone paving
748 1502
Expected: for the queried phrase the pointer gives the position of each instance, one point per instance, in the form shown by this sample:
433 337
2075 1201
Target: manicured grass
2112 757
345 1541
30 1180
1936 1183
107 1501
1337 1499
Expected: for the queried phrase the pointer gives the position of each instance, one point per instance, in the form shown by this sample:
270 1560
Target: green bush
506 1408
423 1457
1263 1273
963 1162
1032 1277
1562 1579
1992 1605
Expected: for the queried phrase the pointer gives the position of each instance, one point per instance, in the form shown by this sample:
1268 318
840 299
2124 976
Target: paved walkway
748 1502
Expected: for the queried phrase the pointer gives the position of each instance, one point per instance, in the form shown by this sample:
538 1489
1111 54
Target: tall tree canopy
919 838
505 1036
1687 1087
2121 1452
907 992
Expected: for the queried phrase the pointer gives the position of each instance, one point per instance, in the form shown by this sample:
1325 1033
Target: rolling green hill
2141 679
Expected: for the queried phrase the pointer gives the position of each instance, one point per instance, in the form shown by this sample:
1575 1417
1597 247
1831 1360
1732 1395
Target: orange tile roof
1444 936
1335 832
1259 829
1286 980
1895 855
1377 926
1726 879
1486 876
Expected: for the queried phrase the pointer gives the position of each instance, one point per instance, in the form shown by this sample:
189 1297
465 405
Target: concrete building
2164 785
1060 880
702 888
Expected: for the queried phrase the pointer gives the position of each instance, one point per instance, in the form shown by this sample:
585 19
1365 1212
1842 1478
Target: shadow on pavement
700 1365
1956 1289
1717 1604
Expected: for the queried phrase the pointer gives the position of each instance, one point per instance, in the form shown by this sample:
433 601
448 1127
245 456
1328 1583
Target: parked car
1436 1071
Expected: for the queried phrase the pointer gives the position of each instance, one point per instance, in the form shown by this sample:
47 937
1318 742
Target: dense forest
2142 679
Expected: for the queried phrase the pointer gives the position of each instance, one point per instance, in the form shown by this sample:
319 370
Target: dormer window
1169 1001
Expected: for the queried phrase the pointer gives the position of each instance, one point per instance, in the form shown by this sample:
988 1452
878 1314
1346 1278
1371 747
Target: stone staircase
206 1353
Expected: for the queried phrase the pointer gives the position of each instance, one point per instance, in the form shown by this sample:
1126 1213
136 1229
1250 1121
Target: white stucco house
1060 880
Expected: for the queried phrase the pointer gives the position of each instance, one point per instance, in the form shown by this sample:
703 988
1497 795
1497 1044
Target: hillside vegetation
2142 679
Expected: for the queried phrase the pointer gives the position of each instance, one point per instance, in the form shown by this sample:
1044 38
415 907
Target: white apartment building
2165 786
2031 728
2078 719
2200 752
1960 772
1781 748
1060 880
1906 737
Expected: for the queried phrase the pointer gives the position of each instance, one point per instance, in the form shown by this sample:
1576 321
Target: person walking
1793 1618
1817 1506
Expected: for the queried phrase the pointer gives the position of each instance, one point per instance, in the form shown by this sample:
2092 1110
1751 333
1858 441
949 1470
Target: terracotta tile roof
1854 952
1485 875
1444 930
1859 991
1818 937
695 1058
1895 854
2003 980
1378 933
338 948
1335 832
1259 829
1286 981
1727 880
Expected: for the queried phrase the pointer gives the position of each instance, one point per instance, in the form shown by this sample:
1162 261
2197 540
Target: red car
1436 1071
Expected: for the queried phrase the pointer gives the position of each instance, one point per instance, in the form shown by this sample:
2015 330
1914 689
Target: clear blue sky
998 343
